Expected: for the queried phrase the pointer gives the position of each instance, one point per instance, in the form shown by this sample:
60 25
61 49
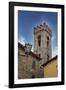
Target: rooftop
31 53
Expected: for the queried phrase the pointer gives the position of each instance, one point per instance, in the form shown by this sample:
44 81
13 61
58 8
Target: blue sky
27 20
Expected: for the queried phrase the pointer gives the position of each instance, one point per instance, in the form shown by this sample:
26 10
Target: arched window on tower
47 41
39 40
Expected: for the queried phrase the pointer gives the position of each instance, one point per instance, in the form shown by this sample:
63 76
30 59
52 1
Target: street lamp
27 48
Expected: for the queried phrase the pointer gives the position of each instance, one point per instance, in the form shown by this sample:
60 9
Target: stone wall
25 69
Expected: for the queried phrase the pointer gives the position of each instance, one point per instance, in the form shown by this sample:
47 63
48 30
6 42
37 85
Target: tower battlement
41 27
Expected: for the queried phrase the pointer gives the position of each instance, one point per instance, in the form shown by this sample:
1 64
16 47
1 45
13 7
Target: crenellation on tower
41 27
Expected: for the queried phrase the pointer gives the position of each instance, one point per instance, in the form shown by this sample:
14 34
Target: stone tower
42 42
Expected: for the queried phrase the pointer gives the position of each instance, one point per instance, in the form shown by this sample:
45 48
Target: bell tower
42 42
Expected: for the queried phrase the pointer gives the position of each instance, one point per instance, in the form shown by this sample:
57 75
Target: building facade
28 66
51 68
42 42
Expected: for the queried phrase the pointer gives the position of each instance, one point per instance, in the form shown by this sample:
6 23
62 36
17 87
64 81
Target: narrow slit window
39 40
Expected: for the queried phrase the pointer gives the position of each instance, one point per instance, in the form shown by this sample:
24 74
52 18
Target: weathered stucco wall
51 69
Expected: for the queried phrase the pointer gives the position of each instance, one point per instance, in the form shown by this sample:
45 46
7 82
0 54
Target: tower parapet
41 27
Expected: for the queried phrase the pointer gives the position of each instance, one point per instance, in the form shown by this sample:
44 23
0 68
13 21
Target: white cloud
32 49
54 51
53 38
21 40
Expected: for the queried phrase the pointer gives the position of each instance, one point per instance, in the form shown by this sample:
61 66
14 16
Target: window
33 76
47 41
39 40
33 65
47 38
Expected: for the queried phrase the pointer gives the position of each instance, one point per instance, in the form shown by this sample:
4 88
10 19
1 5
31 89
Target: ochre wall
51 69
